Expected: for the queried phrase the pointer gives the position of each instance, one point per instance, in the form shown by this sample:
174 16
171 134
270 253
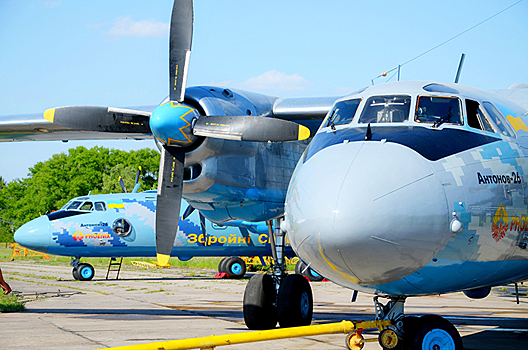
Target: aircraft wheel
435 333
235 267
388 339
259 298
410 325
86 272
295 302
309 273
75 274
221 265
354 341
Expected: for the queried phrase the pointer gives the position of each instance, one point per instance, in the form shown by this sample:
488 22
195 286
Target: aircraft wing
517 93
298 109
90 122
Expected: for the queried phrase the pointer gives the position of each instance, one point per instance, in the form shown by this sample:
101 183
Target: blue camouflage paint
90 234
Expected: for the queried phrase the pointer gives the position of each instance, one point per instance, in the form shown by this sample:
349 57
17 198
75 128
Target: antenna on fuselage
460 67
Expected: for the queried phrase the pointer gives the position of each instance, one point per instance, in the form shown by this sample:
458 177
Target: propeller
176 126
170 179
136 183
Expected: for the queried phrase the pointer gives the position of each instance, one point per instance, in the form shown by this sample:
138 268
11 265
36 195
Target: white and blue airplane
407 188
122 225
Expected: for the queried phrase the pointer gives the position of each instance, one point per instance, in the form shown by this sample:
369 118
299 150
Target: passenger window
87 206
497 118
476 117
343 112
386 109
438 110
100 206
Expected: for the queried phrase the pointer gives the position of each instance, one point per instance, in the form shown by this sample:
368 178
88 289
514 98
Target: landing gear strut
82 272
286 299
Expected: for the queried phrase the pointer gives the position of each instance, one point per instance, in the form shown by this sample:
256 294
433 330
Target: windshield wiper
442 120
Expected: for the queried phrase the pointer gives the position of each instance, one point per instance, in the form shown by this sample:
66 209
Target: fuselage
414 188
122 225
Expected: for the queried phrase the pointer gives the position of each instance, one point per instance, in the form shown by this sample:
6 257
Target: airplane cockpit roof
424 103
98 202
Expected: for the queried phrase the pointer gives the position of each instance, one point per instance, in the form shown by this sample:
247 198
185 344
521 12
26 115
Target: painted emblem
500 223
78 236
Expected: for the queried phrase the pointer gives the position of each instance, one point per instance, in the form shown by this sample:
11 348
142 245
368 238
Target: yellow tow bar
256 336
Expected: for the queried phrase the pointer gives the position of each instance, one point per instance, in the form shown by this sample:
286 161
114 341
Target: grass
102 263
10 303
197 263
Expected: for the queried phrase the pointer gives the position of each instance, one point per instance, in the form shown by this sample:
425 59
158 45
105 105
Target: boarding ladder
114 266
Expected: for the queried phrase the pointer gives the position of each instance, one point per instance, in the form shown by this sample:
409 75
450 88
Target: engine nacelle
478 293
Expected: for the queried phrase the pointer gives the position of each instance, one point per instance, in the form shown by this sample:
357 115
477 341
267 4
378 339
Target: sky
115 53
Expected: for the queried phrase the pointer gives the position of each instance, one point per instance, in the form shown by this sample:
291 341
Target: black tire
75 274
259 298
235 267
295 302
308 272
221 265
86 272
410 324
435 332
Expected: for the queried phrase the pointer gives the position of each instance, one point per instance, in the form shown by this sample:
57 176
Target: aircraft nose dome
367 212
35 235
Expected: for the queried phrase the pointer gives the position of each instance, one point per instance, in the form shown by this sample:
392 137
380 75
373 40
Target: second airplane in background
122 225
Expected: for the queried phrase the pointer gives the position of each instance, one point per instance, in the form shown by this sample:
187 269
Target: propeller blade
170 185
202 224
187 212
122 184
105 119
250 128
181 29
137 175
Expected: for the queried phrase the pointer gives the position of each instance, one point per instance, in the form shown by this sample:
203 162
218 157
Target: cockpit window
87 206
438 110
476 117
74 205
498 119
343 112
100 206
386 109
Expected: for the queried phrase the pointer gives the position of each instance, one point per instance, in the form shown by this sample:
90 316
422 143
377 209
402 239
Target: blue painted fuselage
122 225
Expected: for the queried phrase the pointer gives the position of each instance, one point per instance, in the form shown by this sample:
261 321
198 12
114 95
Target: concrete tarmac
159 305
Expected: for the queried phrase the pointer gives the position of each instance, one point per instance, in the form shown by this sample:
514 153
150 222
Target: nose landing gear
429 332
82 272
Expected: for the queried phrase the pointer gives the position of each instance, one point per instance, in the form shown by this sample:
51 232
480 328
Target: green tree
52 183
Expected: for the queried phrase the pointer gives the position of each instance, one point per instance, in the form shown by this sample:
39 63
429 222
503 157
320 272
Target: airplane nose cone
367 212
35 235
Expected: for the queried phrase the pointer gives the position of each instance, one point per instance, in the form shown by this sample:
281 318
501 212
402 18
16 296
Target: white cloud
275 81
50 4
125 26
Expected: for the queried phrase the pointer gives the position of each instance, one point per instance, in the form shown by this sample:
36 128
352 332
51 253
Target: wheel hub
438 339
